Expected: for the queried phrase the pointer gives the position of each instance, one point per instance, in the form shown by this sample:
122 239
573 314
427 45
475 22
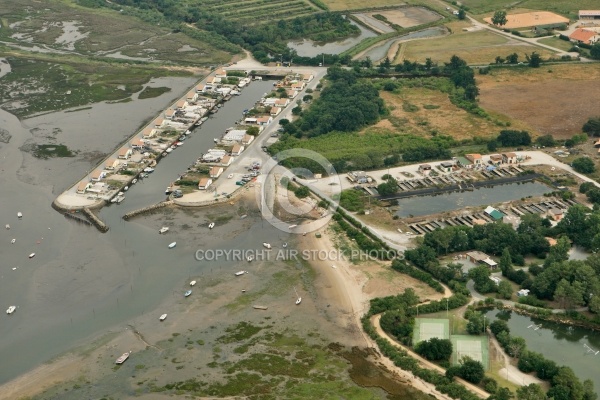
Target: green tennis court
427 328
475 347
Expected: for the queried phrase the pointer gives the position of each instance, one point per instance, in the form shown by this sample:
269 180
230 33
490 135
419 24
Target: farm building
509 158
495 159
589 14
474 158
584 36
478 257
447 166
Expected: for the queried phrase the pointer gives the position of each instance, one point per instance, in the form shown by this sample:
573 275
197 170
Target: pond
309 48
425 205
566 345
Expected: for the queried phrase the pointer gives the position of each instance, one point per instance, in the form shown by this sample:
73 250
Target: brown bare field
446 119
556 103
407 17
531 19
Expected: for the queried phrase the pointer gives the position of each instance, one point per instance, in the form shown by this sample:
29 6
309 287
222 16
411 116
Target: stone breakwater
148 209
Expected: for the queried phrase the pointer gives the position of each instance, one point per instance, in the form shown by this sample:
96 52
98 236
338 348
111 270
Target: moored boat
19 215
172 245
250 258
163 317
240 273
7 226
123 358
148 169
192 283
292 226
134 181
11 309
32 255
285 245
13 241
188 293
164 229
211 225
267 245
298 300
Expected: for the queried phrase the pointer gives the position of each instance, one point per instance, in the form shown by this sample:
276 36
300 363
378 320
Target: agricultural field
63 27
556 42
568 8
428 112
475 47
568 93
248 12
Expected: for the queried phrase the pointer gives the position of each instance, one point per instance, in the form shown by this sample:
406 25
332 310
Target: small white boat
229 176
179 143
120 199
11 309
169 150
298 300
188 293
32 255
267 245
188 132
19 215
123 358
192 283
250 258
292 226
7 226
149 170
240 273
284 245
164 229
163 317
216 140
113 200
126 188
134 181
13 241
211 225
172 245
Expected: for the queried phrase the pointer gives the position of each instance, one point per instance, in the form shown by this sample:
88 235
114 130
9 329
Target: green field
478 47
258 11
556 42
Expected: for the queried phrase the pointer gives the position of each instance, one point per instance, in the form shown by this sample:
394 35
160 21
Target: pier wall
97 222
145 210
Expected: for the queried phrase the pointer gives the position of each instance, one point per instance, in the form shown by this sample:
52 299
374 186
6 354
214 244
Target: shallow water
82 282
310 48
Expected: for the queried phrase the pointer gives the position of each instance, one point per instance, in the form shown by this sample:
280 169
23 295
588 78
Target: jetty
78 219
97 222
148 209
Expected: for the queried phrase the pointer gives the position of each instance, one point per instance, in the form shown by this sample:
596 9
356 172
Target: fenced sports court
475 347
427 328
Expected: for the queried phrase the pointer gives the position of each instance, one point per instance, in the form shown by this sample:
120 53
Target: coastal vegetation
46 151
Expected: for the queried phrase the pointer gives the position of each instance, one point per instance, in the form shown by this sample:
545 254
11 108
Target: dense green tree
595 51
499 326
512 58
512 138
585 186
584 165
302 192
499 18
567 380
477 323
505 263
568 294
588 390
545 141
503 394
492 145
532 391
534 60
505 290
399 324
461 14
481 277
435 349
471 370
592 126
